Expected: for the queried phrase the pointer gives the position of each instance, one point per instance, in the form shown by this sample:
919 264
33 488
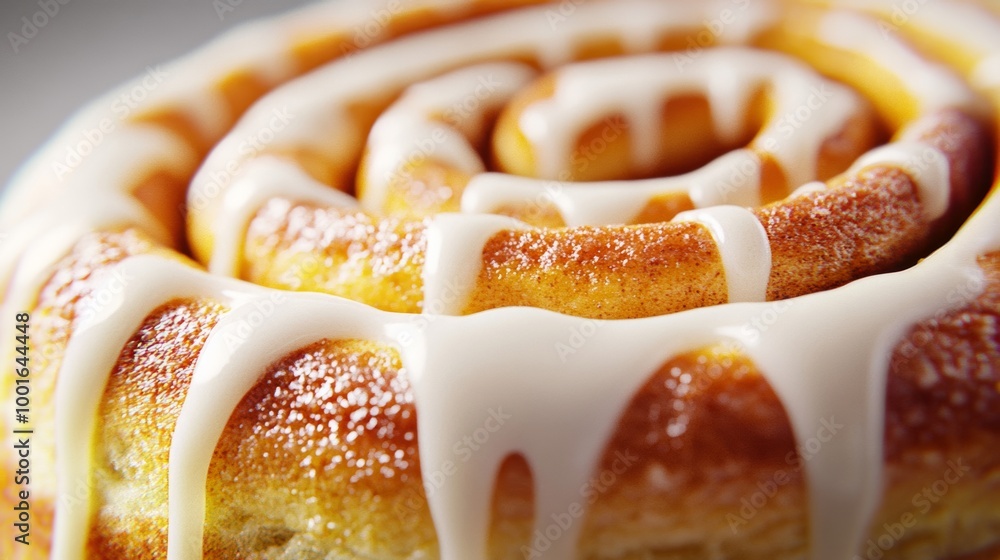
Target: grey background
88 48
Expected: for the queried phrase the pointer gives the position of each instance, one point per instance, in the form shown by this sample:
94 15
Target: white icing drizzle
417 144
601 203
461 367
188 85
733 178
530 385
808 188
145 149
47 236
521 374
637 87
962 23
256 48
226 370
925 164
405 133
142 284
264 179
588 91
117 163
81 143
455 244
844 477
373 73
53 239
743 246
44 239
808 111
933 85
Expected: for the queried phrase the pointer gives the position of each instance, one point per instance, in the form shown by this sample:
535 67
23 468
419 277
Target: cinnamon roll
469 279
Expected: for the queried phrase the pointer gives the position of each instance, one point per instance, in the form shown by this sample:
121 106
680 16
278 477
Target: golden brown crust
631 271
331 429
941 427
63 300
707 433
826 239
320 459
944 386
971 152
871 222
713 451
866 222
340 252
137 416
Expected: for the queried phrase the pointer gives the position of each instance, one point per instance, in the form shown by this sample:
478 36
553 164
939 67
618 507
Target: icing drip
263 180
965 24
587 92
226 371
122 159
407 132
522 375
845 477
413 140
454 258
513 355
50 235
733 178
373 73
637 87
743 244
926 165
143 284
462 367
933 85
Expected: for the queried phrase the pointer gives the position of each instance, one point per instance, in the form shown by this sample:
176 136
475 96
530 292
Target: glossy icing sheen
513 352
411 126
745 249
728 77
322 99
638 87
